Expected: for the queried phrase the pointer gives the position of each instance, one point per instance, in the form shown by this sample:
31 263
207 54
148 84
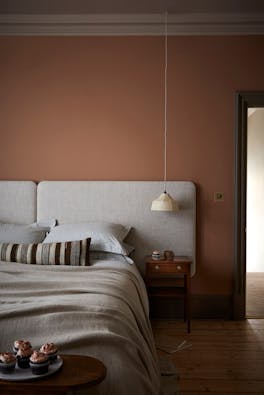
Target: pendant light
165 202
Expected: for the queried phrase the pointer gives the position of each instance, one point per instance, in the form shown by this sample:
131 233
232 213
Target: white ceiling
130 6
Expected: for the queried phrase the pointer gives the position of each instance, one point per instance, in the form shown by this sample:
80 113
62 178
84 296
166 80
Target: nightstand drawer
156 268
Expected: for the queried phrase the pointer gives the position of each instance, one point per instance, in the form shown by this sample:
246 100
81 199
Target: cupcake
19 343
51 350
23 355
7 362
39 362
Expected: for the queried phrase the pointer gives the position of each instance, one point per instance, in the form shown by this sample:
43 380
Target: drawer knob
157 267
179 267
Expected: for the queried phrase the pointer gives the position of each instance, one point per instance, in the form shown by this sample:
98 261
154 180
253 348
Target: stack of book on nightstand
157 255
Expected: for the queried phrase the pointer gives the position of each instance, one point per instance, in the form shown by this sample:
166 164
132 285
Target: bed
99 308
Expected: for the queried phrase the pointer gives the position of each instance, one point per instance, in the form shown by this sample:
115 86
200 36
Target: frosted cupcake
39 362
23 354
51 350
7 362
19 343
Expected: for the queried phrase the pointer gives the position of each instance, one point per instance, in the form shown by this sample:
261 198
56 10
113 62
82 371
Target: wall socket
218 196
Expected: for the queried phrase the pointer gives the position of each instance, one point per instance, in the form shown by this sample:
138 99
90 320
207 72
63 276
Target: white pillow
105 236
17 233
46 223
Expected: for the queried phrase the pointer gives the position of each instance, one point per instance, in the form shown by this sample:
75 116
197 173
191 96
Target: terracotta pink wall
91 108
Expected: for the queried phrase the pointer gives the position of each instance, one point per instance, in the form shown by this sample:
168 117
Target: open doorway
255 214
244 102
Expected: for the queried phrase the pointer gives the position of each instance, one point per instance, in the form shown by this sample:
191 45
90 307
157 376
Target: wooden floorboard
223 357
255 295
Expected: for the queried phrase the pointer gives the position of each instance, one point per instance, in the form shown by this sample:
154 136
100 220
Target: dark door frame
244 100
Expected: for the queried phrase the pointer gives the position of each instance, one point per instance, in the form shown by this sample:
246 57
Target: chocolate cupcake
51 350
19 343
7 362
39 362
23 354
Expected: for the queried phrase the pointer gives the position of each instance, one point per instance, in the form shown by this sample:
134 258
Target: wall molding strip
131 24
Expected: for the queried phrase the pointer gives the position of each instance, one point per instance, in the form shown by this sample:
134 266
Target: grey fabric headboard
127 203
18 202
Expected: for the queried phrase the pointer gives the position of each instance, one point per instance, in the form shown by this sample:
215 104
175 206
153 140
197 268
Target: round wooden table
77 372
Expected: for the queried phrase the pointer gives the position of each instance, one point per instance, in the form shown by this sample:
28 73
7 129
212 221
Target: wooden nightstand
78 372
170 278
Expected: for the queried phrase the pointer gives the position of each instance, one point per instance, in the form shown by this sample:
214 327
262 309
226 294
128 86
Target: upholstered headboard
124 202
127 203
18 202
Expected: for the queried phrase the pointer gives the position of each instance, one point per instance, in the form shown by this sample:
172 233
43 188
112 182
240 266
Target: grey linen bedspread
99 310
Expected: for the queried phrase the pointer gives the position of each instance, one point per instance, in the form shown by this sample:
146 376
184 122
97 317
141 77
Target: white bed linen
100 310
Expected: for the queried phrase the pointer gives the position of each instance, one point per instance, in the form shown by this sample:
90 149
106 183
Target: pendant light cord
165 99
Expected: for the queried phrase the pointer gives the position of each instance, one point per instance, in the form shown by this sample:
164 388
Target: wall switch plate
218 196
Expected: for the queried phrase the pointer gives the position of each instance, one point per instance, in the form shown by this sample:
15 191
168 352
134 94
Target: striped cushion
74 253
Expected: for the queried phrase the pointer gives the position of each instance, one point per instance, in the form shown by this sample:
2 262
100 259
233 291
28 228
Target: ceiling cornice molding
131 24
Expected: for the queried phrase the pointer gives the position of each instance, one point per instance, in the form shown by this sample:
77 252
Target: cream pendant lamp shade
165 202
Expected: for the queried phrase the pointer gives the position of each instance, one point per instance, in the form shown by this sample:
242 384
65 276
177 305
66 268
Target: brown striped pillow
74 253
